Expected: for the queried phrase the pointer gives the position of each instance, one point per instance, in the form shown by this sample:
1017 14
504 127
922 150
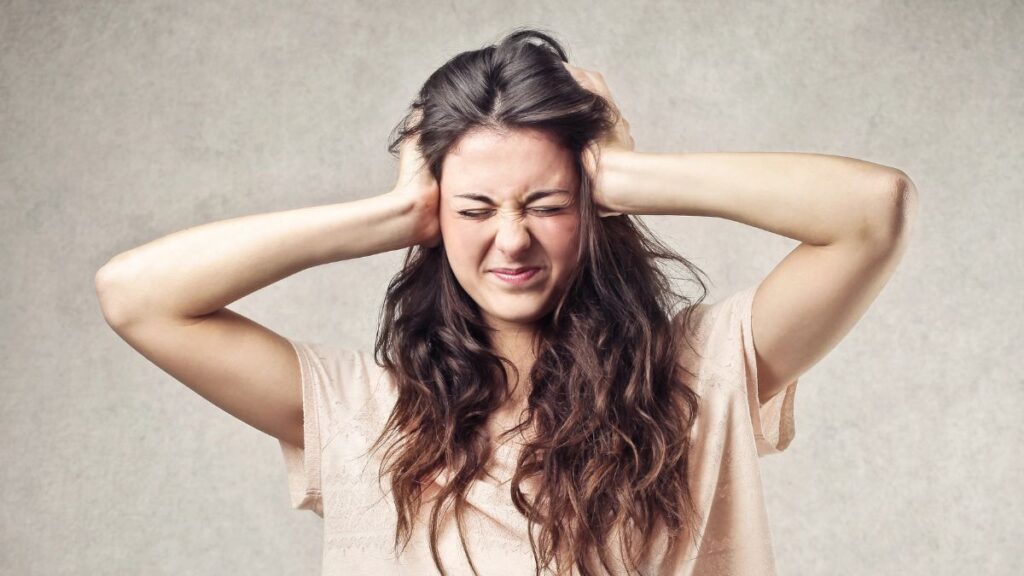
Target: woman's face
509 201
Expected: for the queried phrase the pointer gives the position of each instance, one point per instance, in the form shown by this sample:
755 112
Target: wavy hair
610 411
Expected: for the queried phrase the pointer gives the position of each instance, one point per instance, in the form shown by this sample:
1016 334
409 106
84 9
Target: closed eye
474 213
484 212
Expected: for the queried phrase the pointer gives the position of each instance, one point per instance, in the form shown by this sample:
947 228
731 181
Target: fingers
409 146
591 79
415 115
583 77
577 73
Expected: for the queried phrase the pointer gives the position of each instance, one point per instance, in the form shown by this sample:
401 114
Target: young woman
548 402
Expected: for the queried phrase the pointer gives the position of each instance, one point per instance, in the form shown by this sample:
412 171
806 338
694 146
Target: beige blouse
347 398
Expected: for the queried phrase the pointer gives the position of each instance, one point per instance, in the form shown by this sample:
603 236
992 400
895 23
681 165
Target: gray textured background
123 122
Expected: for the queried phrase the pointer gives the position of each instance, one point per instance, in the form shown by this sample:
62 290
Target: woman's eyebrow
535 195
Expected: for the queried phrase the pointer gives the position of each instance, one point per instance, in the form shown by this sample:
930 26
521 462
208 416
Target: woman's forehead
512 162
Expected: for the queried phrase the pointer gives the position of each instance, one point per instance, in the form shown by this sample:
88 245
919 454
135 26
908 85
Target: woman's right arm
167 298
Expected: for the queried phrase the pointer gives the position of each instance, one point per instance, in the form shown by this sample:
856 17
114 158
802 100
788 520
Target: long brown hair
611 414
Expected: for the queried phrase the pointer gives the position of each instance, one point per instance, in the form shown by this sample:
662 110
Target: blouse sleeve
774 424
731 345
333 389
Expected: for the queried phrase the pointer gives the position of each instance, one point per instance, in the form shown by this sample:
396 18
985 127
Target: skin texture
513 232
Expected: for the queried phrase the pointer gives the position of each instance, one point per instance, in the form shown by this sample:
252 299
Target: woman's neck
516 344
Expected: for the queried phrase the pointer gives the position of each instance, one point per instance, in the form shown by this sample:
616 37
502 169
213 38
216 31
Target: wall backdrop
124 121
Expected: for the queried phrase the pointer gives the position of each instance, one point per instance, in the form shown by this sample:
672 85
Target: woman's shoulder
341 370
712 322
711 339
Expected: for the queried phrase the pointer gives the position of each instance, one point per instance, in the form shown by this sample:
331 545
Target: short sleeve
774 424
729 327
334 387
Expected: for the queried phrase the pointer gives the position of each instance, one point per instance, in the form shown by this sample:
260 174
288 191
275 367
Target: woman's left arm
852 218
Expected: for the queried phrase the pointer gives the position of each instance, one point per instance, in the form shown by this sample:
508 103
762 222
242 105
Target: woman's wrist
616 171
421 210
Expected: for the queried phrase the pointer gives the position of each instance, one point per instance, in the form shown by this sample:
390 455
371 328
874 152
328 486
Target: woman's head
509 203
494 126
609 412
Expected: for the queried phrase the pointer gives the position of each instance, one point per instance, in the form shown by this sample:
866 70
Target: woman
549 406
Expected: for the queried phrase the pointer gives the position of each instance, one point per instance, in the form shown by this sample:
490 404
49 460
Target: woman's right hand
415 180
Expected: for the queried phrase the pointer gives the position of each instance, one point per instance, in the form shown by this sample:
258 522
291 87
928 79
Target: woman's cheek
565 230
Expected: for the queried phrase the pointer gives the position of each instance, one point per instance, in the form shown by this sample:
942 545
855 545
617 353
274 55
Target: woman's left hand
619 138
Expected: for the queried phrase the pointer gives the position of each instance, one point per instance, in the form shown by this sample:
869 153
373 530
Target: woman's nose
513 237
